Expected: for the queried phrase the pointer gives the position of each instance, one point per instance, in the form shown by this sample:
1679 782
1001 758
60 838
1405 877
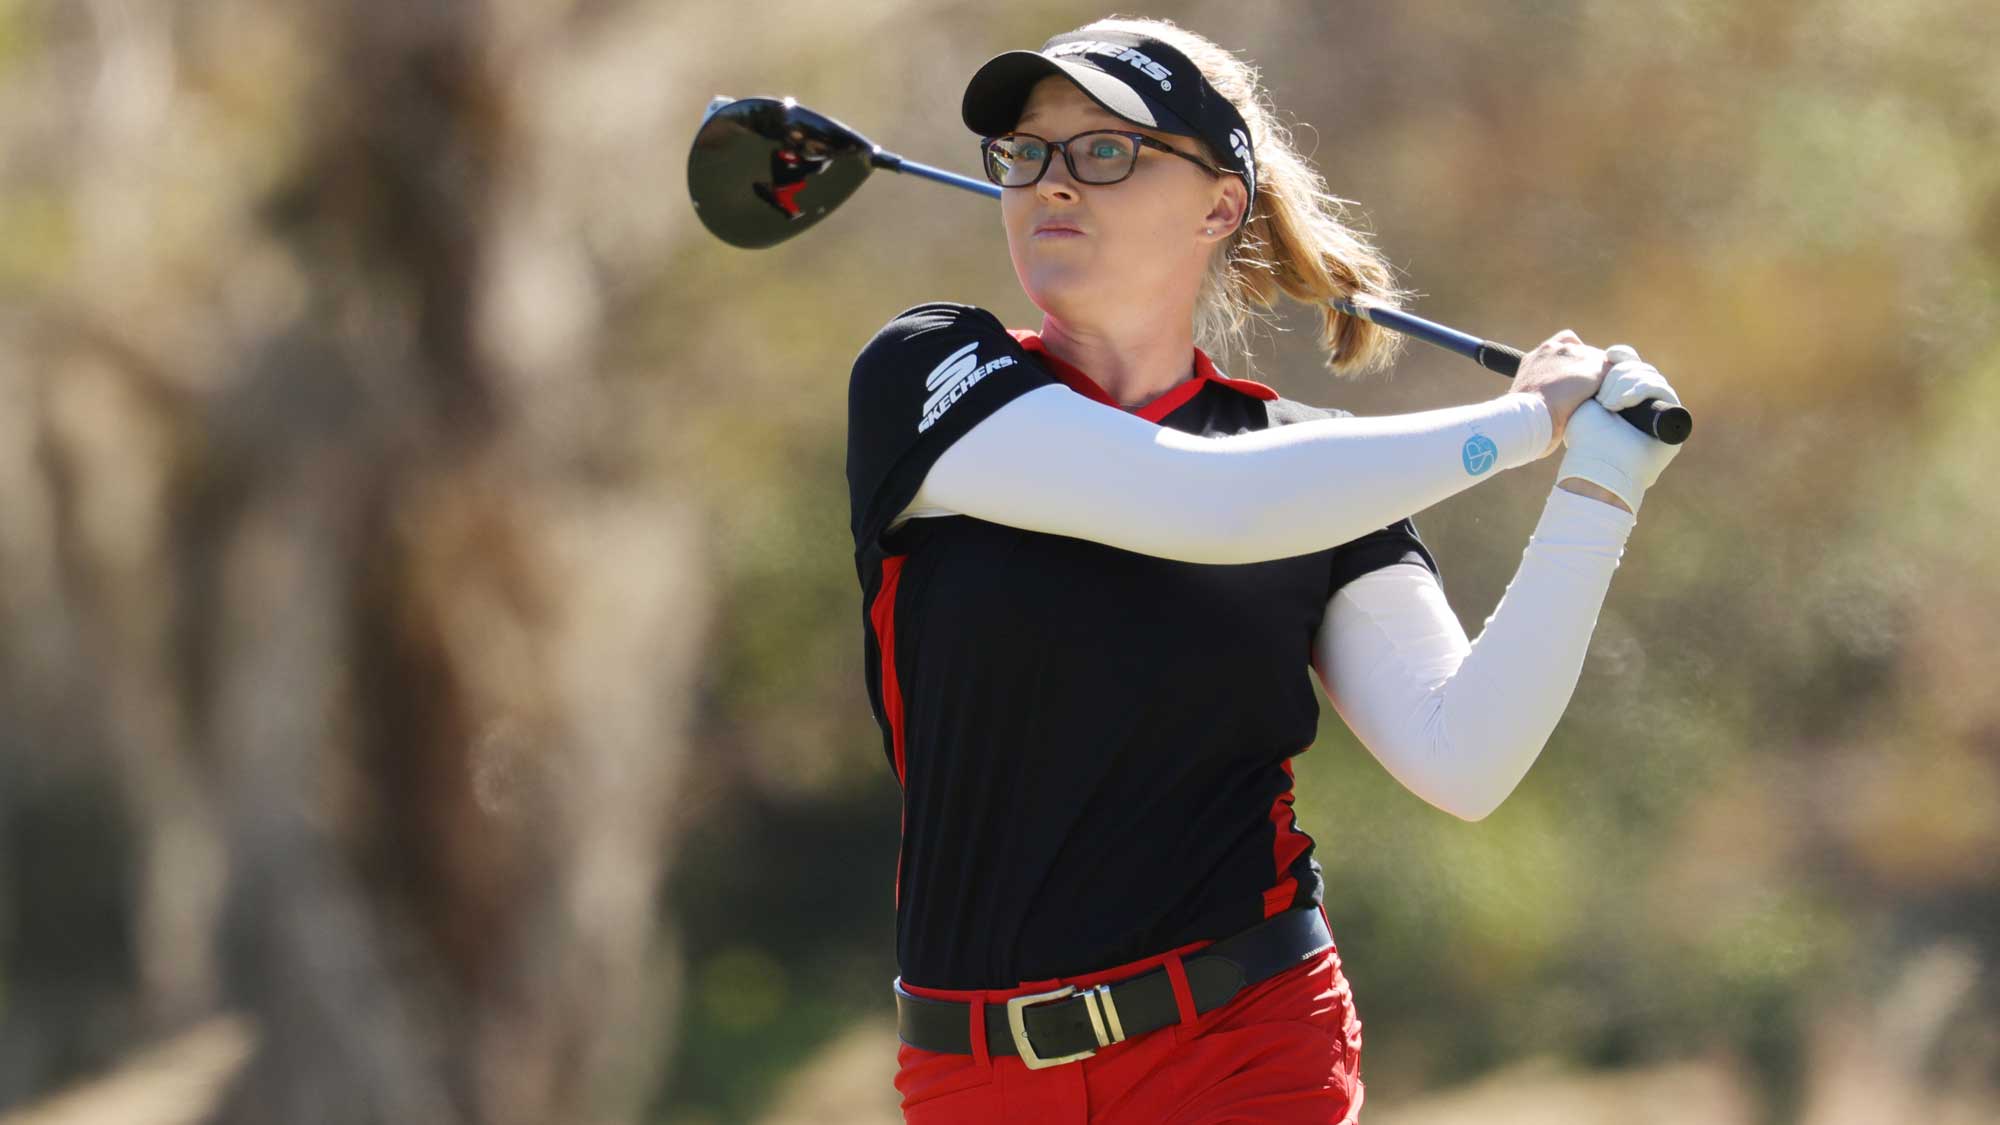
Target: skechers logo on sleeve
1120 53
949 381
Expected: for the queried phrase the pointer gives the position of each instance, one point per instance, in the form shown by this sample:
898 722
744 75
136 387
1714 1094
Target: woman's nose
1056 182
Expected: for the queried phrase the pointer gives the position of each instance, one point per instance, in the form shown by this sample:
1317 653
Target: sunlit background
430 648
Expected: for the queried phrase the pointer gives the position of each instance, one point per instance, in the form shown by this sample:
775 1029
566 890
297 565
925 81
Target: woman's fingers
1631 380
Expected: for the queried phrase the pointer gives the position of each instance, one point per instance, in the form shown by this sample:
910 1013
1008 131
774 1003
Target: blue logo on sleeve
1479 454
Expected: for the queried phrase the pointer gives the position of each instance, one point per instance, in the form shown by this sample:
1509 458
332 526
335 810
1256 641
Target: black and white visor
1141 79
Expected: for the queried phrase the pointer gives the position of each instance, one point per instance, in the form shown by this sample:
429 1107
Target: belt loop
1183 995
980 1054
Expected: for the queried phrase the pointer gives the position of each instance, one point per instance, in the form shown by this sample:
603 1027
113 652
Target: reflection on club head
715 103
764 169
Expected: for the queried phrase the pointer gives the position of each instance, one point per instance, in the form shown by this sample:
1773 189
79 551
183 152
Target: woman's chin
1058 283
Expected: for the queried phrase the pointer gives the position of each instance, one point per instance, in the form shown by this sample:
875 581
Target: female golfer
1093 568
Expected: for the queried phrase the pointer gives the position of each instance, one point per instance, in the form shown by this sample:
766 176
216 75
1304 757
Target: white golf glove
1607 450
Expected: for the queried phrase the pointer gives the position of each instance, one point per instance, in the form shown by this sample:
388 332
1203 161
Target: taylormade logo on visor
949 381
1121 53
1240 144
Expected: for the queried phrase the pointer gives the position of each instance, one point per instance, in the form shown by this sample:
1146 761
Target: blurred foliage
1778 786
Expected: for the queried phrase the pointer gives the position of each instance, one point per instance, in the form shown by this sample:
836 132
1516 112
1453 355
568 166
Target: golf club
764 170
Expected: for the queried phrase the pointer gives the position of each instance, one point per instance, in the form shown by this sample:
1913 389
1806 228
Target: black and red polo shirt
1093 744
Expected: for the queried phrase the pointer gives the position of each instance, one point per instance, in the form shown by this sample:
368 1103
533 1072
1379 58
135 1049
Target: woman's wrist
1534 426
1574 516
1593 490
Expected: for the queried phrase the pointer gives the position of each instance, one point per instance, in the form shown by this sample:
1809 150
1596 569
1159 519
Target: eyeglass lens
1017 159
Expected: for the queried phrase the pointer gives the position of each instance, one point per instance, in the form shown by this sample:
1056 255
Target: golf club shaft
1663 420
883 158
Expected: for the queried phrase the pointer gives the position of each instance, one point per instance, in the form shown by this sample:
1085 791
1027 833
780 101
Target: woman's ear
1227 212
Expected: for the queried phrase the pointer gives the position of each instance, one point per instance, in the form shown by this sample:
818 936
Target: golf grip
1663 420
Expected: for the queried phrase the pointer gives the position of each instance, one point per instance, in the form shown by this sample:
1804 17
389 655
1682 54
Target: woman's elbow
1476 798
1442 789
1483 775
1472 796
1473 808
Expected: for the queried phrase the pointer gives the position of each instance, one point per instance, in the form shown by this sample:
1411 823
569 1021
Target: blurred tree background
430 668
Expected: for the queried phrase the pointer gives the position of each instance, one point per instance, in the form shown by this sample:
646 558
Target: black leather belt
1047 1028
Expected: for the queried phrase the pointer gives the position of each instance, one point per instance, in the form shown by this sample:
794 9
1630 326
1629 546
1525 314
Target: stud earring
1208 230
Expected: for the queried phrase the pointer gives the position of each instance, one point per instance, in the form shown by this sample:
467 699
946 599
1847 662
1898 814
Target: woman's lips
1058 232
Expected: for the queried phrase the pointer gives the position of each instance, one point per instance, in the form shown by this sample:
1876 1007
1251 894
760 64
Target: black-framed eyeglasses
1100 156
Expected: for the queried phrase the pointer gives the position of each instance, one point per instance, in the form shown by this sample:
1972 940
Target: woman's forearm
1459 723
1054 462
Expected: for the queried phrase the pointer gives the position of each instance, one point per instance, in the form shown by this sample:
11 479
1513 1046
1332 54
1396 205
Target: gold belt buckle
1097 1000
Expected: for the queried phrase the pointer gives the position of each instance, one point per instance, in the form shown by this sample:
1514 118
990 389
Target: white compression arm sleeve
1459 723
1056 462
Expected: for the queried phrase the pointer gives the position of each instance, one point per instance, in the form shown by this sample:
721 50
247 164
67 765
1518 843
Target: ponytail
1296 240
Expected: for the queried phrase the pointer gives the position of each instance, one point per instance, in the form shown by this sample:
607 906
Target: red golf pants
1285 1051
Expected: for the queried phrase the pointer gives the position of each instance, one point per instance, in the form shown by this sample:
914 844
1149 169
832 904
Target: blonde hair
1295 241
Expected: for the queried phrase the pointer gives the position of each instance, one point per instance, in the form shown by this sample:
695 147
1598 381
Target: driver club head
763 170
